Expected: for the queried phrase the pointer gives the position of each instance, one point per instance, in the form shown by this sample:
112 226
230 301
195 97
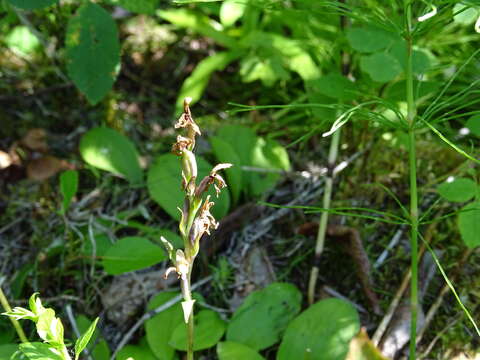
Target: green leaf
83 340
334 86
194 21
21 40
160 327
101 351
92 51
111 151
262 318
225 153
135 352
420 58
68 187
40 351
49 327
32 4
464 14
131 253
209 329
164 185
195 84
137 6
458 190
7 350
231 11
322 332
102 244
473 124
229 350
369 39
381 67
469 224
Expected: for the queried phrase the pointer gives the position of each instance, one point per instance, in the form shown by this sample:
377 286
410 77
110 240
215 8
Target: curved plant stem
16 324
412 160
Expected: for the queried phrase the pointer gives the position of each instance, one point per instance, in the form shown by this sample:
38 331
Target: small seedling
50 330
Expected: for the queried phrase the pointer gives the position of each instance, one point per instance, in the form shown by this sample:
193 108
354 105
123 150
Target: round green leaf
368 39
322 332
111 151
464 14
231 11
92 51
160 327
21 40
381 67
131 253
420 58
209 329
473 124
469 224
458 190
268 311
225 153
135 352
164 185
229 350
7 350
32 4
334 86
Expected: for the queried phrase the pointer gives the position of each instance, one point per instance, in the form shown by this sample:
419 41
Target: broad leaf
195 84
369 39
22 41
464 14
164 185
135 352
111 151
469 224
7 350
231 11
160 327
68 188
40 351
262 318
92 51
229 350
132 253
209 329
322 332
381 67
137 6
32 4
458 190
83 340
473 124
334 86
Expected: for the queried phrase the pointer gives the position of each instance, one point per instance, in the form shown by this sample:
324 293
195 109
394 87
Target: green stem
322 228
412 160
16 324
187 296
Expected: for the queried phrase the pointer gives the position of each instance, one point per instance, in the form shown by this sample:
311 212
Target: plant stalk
322 228
412 161
187 296
16 324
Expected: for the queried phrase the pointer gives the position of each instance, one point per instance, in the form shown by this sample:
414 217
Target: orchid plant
196 219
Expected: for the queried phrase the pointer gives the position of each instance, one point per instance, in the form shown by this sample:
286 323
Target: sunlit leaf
111 151
231 11
92 51
21 40
131 253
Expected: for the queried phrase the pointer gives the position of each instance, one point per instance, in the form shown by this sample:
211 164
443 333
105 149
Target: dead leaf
362 348
45 167
36 139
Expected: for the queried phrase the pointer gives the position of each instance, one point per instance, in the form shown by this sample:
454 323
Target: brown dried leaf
36 139
45 167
